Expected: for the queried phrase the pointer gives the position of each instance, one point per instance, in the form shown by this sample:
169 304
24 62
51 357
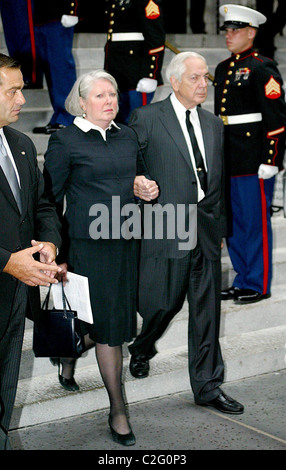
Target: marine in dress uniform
134 50
250 100
54 30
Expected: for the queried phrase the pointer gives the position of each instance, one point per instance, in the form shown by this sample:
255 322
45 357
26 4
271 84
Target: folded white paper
77 293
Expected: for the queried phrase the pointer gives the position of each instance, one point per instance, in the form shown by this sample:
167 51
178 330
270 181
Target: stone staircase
252 337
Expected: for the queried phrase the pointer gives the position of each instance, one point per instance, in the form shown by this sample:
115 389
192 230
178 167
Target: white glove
267 171
68 21
146 85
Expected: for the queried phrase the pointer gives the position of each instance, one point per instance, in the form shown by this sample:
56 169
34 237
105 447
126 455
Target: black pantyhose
109 360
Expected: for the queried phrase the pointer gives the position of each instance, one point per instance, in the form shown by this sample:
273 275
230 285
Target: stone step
252 338
234 318
247 319
41 398
89 54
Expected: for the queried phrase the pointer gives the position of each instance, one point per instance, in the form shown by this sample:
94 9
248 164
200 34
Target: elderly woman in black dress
87 163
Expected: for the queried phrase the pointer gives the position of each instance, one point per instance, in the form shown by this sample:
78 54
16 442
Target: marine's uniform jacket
250 100
130 60
54 10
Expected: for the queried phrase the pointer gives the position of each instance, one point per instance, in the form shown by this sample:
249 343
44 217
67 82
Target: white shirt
180 111
86 125
9 153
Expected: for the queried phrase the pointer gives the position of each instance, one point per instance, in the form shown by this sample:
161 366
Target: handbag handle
64 299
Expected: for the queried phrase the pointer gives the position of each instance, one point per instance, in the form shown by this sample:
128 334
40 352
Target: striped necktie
9 172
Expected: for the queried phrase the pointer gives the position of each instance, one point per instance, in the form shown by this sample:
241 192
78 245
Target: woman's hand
145 189
63 275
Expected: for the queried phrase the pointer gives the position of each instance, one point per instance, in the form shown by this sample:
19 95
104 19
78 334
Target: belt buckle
224 120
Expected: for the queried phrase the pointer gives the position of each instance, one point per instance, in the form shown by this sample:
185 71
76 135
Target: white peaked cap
237 16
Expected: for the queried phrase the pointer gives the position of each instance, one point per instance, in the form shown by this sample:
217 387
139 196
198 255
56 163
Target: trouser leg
163 285
250 244
10 356
206 366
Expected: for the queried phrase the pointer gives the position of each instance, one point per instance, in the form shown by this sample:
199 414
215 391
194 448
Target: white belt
127 37
241 118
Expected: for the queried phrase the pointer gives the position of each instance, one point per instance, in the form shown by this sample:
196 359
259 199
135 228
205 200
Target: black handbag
58 333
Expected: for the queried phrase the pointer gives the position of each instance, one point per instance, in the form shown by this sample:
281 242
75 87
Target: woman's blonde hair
82 87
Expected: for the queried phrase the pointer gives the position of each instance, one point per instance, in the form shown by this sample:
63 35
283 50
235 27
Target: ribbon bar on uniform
241 118
126 37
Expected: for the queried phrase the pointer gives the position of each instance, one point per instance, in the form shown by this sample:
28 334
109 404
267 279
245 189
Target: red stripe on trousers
32 37
144 99
265 245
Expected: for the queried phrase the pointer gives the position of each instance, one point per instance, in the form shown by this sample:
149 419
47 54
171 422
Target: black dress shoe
230 293
123 439
48 129
249 296
67 384
224 403
139 366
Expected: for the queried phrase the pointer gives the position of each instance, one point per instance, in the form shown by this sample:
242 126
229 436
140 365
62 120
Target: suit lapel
208 140
172 125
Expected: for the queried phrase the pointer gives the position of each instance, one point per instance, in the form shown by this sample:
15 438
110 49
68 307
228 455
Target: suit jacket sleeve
39 219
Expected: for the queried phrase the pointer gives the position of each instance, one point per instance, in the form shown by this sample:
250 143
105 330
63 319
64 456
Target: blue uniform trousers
250 242
17 22
129 100
54 48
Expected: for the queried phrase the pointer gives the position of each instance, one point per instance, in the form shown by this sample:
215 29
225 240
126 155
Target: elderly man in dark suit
26 217
172 140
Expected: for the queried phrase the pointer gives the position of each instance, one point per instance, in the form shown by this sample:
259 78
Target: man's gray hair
83 86
177 66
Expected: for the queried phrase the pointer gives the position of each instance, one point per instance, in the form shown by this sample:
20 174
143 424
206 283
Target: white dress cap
237 16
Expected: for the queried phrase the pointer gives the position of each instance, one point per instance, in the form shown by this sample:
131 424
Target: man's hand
48 251
24 267
145 189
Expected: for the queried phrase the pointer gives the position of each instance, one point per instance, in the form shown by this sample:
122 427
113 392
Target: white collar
180 109
86 125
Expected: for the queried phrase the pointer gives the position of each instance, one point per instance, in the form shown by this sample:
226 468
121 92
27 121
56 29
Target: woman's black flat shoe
123 439
68 384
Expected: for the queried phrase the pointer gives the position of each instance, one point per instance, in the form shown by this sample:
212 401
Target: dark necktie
9 172
201 171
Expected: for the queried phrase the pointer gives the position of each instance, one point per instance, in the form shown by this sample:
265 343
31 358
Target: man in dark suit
26 216
168 274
